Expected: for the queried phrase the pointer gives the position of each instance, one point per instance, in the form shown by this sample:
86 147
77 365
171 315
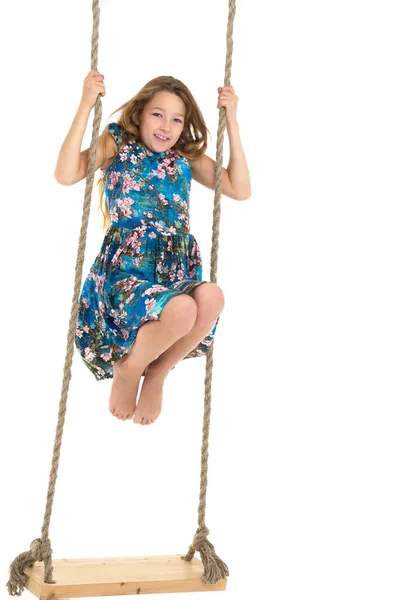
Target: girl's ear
134 119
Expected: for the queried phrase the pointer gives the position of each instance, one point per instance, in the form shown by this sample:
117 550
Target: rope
40 548
214 568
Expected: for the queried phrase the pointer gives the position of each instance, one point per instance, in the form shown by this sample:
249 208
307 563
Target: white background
304 494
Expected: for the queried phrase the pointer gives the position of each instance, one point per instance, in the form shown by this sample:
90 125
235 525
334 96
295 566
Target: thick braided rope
214 567
40 549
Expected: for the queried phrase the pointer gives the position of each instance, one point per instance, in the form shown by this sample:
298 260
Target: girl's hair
192 142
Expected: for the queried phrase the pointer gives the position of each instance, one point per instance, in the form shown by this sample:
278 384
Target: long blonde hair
192 142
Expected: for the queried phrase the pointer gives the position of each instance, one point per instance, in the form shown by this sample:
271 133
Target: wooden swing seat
94 577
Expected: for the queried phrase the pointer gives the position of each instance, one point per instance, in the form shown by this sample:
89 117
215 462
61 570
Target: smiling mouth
161 139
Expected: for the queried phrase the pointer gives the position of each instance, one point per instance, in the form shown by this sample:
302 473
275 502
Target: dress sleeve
116 131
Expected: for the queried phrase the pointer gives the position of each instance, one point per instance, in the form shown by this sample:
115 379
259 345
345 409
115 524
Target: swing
84 578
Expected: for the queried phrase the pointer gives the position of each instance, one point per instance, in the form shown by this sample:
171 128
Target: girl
144 306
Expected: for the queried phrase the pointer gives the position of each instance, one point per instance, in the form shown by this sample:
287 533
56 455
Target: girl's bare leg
153 338
210 302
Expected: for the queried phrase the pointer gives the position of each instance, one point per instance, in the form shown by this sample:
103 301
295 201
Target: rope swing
40 549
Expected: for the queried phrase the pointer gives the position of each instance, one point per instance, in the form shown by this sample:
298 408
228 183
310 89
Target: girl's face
163 115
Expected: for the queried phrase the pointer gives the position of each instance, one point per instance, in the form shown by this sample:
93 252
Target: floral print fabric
147 257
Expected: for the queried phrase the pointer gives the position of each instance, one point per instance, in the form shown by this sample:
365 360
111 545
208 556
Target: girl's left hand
228 98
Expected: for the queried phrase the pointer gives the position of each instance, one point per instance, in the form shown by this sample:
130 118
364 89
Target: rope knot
214 568
40 550
200 537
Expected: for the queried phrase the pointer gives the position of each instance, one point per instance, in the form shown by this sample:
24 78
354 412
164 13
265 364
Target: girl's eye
158 114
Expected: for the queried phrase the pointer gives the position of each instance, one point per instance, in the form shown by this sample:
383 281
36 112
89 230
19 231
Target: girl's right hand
93 85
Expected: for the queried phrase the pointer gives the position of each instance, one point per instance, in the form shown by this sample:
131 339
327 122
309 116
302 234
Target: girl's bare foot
150 400
124 390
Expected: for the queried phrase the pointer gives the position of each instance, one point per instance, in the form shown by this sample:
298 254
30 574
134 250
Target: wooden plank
96 577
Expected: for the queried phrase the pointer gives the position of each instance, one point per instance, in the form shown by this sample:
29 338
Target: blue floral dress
147 257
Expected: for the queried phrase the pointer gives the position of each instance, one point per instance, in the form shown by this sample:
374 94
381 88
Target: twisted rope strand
40 549
214 568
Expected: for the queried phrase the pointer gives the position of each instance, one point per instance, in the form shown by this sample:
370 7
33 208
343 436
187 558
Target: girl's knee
210 300
180 314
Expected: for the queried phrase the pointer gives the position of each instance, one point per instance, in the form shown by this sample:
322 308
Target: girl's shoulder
203 167
110 144
116 131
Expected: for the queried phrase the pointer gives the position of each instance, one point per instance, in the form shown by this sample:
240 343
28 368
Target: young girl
144 306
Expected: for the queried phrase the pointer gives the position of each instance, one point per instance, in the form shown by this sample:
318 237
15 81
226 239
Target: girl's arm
72 164
236 178
238 170
69 158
